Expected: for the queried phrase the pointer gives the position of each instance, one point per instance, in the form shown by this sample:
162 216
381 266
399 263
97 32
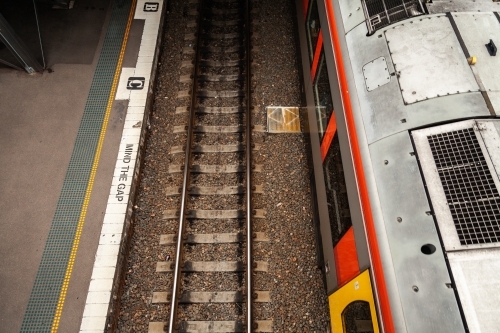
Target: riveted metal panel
429 60
352 13
383 110
376 74
405 210
476 30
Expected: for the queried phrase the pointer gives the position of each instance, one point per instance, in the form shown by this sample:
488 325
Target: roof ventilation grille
470 190
380 13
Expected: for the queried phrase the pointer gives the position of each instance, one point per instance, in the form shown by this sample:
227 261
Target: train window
336 192
381 13
322 96
312 27
357 318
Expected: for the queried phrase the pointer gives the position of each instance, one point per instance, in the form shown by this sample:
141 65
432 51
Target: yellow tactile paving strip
69 269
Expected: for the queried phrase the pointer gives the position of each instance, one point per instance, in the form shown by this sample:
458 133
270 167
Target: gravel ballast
298 300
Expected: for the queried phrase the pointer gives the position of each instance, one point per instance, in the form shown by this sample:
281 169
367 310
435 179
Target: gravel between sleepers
298 300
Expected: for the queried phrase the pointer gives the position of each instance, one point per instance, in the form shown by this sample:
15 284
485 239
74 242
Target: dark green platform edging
39 315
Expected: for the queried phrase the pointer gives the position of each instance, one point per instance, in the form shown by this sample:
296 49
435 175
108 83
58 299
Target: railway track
212 268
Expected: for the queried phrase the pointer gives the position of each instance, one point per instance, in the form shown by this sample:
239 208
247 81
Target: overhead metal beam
18 48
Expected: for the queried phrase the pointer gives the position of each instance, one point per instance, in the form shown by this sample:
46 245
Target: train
403 98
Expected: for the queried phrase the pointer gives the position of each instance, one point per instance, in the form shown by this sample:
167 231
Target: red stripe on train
346 258
331 129
378 273
317 53
305 6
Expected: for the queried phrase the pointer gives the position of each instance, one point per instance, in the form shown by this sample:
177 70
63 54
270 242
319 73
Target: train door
352 308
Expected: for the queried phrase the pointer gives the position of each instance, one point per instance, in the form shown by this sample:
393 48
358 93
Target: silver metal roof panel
352 13
477 279
437 7
383 110
429 60
494 99
476 30
404 206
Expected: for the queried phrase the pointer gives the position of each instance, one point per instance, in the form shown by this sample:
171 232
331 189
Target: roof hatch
459 163
381 13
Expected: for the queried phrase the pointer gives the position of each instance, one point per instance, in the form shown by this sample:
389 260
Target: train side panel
387 79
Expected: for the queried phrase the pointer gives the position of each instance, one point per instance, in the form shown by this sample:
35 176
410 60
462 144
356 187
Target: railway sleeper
232 11
193 297
220 110
185 78
220 49
220 93
226 1
213 190
223 23
233 35
188 50
219 238
171 214
177 168
218 129
211 266
187 64
212 326
220 78
189 37
212 110
210 129
213 148
171 239
183 94
218 63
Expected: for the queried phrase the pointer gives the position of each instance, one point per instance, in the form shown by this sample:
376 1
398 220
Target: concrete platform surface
40 115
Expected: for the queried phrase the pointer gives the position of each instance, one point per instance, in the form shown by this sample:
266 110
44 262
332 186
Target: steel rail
249 170
186 175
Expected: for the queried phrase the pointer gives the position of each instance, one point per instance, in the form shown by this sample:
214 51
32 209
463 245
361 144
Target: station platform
71 139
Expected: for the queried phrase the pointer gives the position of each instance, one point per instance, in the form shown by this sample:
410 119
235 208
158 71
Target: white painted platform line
133 85
121 91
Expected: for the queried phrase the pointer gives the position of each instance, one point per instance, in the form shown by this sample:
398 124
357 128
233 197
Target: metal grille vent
380 13
471 194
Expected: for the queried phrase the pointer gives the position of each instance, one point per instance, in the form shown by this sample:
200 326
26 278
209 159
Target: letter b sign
151 6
